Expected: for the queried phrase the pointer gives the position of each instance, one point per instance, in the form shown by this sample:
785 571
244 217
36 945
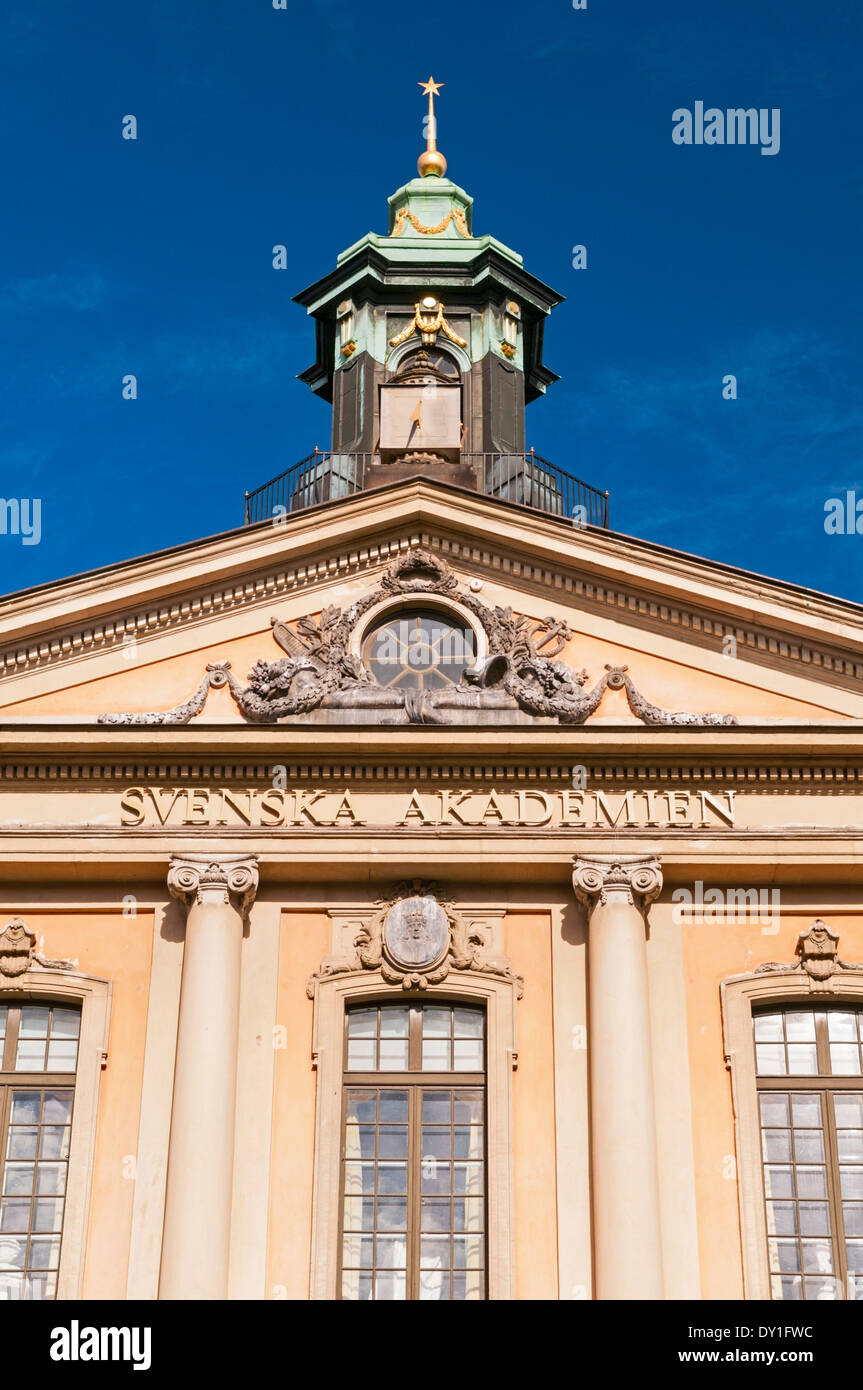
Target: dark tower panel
504 410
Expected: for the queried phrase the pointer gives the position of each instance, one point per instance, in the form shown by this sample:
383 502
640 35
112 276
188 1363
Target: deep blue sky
258 126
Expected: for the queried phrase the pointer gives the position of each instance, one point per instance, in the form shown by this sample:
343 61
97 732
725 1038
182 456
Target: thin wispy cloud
87 290
710 55
339 22
24 32
244 351
248 350
793 390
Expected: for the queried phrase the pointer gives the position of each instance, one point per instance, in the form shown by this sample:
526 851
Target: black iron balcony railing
320 477
526 479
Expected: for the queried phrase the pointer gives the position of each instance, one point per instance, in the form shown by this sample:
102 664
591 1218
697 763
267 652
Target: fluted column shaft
195 1244
627 1245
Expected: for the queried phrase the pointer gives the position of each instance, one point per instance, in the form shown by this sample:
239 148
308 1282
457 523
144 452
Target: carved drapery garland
18 952
456 215
521 665
463 946
818 958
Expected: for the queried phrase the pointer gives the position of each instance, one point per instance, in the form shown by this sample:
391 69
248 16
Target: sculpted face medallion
416 932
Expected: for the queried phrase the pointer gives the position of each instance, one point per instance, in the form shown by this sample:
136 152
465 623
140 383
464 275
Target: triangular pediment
696 638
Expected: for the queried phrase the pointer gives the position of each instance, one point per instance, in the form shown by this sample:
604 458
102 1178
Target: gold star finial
431 161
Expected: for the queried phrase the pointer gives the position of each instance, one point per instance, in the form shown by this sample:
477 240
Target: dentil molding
616 599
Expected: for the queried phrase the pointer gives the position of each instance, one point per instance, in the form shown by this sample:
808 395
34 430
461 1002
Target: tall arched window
809 1078
413 1152
38 1062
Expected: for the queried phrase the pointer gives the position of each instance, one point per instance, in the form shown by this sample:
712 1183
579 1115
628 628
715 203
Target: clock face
419 650
421 415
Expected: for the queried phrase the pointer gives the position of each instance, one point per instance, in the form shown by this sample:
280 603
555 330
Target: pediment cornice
635 582
759 755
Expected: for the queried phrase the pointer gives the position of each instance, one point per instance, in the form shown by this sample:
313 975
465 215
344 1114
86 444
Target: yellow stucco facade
506 819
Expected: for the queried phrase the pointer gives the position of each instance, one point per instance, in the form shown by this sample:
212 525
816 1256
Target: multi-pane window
413 1153
809 1065
422 650
38 1057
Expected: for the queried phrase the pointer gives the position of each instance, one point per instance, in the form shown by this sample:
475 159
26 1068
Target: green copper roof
428 217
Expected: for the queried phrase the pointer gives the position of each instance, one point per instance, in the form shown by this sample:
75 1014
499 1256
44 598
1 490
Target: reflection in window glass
47 1039
38 1048
413 1207
812 1150
421 650
33 1193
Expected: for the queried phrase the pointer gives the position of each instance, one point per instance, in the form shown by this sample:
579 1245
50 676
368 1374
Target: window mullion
415 1038
12 1028
834 1191
787 1082
414 1186
342 1155
5 1106
5 1111
822 1048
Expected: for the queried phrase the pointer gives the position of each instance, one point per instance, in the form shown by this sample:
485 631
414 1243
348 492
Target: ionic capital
629 879
204 878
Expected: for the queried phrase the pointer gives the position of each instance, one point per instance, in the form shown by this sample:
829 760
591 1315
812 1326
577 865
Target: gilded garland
456 215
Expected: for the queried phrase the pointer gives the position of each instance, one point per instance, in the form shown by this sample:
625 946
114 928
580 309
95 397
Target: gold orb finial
431 161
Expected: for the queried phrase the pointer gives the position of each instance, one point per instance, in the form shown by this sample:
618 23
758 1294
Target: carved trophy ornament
319 671
817 954
18 952
416 937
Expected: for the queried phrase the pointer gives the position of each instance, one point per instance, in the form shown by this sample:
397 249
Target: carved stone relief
520 679
415 938
18 952
817 954
416 933
199 878
632 879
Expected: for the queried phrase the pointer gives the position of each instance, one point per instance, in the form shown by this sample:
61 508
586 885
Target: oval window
419 650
